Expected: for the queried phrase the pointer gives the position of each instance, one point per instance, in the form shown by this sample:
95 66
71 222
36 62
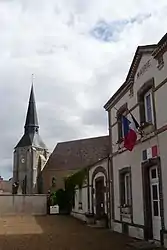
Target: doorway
152 199
155 202
99 187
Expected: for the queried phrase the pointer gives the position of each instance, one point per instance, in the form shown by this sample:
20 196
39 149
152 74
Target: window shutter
122 189
142 110
119 128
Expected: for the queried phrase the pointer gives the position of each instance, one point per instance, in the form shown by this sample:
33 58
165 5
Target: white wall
163 152
161 104
80 213
20 204
134 159
131 159
76 211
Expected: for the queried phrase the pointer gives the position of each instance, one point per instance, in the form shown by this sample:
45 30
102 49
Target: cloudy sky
79 51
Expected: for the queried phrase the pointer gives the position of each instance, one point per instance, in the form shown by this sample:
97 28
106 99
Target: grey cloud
54 93
61 130
52 50
6 168
97 117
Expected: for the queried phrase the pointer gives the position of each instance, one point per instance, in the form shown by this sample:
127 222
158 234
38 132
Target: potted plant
125 209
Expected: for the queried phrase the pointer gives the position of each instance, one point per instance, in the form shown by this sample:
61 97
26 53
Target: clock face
22 160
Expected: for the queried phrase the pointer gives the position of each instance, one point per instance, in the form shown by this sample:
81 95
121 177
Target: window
154 173
120 112
145 99
125 187
154 182
120 128
148 107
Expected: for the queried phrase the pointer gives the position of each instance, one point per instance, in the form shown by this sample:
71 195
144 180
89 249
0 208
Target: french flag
130 132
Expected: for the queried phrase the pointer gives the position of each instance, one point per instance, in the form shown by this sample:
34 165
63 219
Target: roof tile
77 154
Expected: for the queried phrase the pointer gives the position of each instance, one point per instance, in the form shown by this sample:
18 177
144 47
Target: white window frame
145 106
127 192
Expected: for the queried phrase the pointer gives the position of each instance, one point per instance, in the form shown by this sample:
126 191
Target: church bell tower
30 154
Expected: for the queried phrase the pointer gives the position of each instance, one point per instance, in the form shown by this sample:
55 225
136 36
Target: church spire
31 124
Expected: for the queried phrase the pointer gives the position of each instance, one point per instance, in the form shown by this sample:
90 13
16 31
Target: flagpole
129 112
121 114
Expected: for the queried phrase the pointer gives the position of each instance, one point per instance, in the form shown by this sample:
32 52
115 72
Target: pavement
57 232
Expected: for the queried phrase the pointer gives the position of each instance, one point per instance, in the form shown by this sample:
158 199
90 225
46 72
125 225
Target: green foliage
65 198
76 179
53 198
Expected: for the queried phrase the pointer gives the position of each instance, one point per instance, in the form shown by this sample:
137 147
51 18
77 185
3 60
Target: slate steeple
31 124
31 135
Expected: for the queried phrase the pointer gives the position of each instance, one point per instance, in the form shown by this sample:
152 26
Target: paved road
55 232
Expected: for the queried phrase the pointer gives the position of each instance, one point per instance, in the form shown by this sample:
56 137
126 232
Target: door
155 203
99 186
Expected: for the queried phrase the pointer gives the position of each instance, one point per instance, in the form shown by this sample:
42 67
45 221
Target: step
144 245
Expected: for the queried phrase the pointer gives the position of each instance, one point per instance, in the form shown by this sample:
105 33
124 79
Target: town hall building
138 177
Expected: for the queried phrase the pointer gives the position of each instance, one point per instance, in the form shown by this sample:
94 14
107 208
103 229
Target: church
30 154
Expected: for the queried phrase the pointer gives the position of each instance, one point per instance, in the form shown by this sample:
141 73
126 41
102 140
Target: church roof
32 139
73 155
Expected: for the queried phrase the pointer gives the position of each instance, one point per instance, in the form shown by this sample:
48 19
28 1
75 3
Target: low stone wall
23 204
